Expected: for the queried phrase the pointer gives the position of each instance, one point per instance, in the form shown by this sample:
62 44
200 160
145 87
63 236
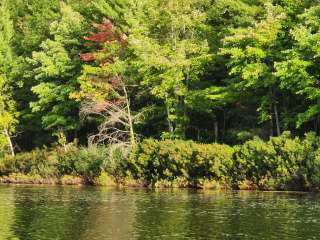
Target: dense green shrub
89 162
310 167
81 162
116 163
280 163
274 164
170 160
86 162
38 162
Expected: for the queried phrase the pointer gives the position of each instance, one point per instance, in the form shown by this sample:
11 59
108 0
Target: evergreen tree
55 69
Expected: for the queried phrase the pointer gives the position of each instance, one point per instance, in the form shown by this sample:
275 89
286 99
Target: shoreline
133 184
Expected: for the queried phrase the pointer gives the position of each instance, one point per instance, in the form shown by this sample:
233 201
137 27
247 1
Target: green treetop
252 53
55 69
299 72
167 38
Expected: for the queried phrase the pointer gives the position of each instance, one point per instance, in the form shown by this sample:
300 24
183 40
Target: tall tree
299 72
104 85
56 68
167 38
8 113
252 53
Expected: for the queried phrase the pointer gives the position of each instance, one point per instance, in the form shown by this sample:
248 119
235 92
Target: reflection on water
88 213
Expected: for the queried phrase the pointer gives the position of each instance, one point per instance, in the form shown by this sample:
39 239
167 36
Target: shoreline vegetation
135 92
282 163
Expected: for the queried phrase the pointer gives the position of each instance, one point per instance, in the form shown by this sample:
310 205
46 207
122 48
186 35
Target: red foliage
100 37
105 25
87 57
106 34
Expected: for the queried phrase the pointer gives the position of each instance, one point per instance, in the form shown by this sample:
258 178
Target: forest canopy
110 71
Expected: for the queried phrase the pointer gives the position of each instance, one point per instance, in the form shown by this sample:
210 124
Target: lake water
90 213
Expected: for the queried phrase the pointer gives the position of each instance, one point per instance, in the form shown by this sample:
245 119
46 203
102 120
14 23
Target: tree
206 70
56 68
8 113
8 116
299 72
171 52
114 10
252 53
31 21
104 85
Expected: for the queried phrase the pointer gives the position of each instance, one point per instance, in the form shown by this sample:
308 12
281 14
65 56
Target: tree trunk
132 137
224 125
277 119
170 126
6 133
174 38
271 133
317 121
198 134
174 47
317 124
216 131
185 115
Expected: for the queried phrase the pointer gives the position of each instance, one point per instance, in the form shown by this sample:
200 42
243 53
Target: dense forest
172 92
110 70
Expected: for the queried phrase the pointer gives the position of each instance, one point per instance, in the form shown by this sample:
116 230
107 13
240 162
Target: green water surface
91 213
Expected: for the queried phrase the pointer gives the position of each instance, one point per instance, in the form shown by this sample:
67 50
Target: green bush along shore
281 163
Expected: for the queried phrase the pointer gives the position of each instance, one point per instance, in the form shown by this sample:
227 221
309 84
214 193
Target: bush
89 162
169 160
282 163
85 162
310 167
38 162
116 163
274 164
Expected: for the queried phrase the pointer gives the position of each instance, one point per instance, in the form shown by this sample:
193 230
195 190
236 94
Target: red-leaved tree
108 62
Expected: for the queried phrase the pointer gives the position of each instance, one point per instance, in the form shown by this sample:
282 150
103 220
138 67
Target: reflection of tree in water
162 215
260 215
182 215
6 212
49 213
68 213
113 216
208 214
218 215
